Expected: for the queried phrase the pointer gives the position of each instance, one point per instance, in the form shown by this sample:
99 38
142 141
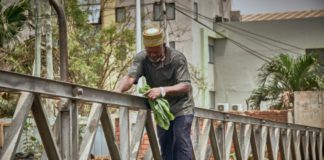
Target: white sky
268 6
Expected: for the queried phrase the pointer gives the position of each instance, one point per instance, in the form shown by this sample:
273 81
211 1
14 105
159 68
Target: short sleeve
182 72
136 69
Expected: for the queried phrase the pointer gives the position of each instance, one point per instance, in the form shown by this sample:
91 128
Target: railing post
12 135
296 145
320 145
273 142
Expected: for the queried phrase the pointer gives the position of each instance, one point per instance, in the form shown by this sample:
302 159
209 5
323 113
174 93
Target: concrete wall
309 108
236 70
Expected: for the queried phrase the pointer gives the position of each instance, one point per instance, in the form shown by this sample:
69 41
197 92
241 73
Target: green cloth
173 70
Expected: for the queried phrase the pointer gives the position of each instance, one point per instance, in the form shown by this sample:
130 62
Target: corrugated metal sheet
283 15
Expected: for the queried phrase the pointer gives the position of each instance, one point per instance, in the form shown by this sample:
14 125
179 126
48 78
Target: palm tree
12 21
283 75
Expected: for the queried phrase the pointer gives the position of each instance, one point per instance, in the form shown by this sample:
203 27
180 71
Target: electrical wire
244 30
257 40
245 48
265 37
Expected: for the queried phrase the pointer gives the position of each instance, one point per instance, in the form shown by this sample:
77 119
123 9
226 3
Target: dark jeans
176 143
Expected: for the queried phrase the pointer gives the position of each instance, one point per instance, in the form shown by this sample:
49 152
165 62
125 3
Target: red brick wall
273 115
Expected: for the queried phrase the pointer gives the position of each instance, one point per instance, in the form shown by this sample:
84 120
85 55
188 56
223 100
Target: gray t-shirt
173 70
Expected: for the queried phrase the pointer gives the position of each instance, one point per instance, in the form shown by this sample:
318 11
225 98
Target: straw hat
153 37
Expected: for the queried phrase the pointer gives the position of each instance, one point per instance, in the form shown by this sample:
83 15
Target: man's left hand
153 93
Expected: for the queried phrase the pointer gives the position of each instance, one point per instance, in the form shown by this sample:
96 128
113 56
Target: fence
214 134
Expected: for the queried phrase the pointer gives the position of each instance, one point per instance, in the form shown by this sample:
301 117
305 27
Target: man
166 72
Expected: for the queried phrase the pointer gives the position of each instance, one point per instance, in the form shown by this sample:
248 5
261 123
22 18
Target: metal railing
217 134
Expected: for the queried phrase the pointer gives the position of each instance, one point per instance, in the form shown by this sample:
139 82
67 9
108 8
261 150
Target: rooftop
283 15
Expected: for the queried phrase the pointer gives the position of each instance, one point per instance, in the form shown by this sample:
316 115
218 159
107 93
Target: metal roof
283 15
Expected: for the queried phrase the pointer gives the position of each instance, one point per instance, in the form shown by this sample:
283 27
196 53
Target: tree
12 21
283 75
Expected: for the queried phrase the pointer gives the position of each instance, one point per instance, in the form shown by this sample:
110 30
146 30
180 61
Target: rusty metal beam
22 82
43 126
62 38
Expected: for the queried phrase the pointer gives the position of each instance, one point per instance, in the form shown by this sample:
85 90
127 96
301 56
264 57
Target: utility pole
138 27
165 23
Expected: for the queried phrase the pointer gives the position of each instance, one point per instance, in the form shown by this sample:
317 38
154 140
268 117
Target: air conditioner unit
237 107
223 107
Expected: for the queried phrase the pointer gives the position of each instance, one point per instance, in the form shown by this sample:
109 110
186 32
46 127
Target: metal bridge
249 136
254 137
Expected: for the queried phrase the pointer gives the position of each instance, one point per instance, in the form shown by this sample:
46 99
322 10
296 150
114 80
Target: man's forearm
178 89
125 84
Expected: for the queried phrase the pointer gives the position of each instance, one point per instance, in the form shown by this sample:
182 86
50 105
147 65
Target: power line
258 40
245 48
259 35
265 37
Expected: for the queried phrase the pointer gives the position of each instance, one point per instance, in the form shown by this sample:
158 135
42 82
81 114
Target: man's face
155 54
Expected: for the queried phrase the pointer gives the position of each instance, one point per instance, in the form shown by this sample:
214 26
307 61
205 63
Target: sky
270 6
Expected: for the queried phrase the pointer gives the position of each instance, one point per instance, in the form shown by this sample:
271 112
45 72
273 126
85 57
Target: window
212 100
319 54
172 44
211 50
157 10
196 10
120 14
92 8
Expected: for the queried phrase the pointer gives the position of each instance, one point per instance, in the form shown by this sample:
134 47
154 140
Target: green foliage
30 143
97 56
283 75
19 58
7 104
161 109
12 21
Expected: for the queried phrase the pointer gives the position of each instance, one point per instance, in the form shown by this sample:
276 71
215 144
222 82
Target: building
265 35
185 34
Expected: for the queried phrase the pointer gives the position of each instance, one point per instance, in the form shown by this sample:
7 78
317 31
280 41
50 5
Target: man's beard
156 60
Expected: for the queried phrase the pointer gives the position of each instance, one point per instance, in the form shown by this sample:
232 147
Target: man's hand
153 93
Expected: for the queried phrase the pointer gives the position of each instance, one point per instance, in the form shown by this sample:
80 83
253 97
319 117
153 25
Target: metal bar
295 147
66 90
313 145
203 139
65 135
208 152
214 143
228 139
90 131
195 136
220 136
62 39
284 144
320 146
237 143
273 143
46 134
21 82
259 138
74 130
254 144
245 137
211 114
152 136
12 135
305 145
137 134
108 129
124 133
